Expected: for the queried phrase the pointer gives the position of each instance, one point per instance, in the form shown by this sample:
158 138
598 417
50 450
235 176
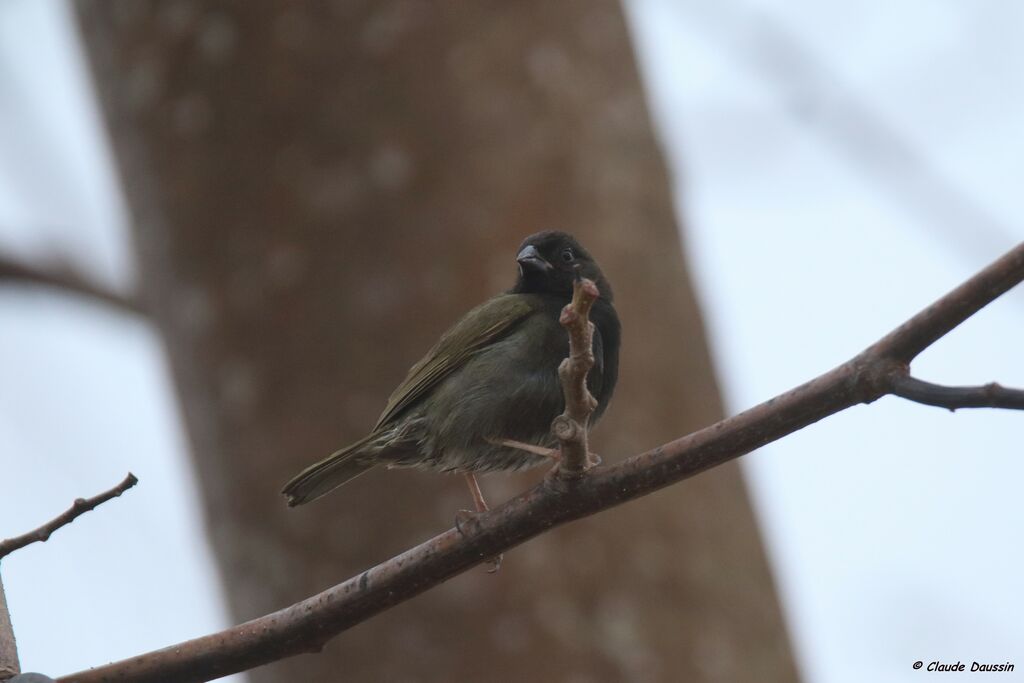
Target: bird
483 398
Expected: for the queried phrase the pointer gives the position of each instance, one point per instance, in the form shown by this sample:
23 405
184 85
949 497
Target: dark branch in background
307 625
8 647
570 428
63 278
77 509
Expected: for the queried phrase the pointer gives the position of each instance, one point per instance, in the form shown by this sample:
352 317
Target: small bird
484 396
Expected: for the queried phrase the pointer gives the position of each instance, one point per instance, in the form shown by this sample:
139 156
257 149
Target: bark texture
319 190
9 664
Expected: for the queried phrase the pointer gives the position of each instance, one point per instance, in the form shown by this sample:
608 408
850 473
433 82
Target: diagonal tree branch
63 278
307 625
908 340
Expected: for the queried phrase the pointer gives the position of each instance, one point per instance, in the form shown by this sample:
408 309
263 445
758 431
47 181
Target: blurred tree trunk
319 190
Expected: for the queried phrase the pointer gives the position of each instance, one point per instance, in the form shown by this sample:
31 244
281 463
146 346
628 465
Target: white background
839 166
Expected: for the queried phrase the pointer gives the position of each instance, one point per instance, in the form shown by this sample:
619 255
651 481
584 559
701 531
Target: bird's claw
462 517
554 454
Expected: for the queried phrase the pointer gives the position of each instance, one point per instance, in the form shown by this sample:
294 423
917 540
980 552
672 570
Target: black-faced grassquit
491 378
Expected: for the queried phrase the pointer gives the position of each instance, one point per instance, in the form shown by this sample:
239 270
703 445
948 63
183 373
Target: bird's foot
463 517
554 454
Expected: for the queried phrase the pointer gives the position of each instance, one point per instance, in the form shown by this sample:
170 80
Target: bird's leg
481 506
463 516
474 490
553 453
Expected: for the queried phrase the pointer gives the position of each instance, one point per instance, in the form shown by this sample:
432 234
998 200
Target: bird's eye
567 255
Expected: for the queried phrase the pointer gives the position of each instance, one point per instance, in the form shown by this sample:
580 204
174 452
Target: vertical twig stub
9 666
570 428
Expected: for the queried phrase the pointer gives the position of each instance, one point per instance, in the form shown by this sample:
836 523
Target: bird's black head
548 263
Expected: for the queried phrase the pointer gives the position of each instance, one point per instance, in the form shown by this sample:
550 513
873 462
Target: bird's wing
482 326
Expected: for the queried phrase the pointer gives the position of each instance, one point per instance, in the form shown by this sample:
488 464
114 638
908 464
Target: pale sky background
838 166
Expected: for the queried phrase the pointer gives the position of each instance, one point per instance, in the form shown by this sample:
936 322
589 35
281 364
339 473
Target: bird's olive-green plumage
480 327
492 376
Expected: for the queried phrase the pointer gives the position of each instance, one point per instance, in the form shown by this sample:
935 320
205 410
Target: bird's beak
529 257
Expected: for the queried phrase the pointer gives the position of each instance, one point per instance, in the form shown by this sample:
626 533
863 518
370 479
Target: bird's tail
330 473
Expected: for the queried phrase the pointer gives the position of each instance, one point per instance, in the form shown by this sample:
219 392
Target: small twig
570 428
78 508
63 278
990 395
9 666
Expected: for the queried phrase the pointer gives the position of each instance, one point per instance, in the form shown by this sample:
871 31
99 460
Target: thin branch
908 340
63 278
77 509
570 428
9 666
990 395
307 625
